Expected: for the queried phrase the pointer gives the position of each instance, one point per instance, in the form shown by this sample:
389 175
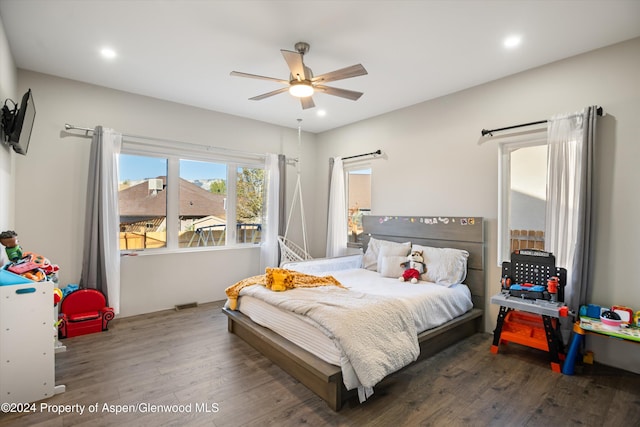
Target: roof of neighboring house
138 201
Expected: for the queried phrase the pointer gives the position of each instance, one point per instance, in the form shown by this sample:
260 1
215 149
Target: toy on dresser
9 240
414 266
29 265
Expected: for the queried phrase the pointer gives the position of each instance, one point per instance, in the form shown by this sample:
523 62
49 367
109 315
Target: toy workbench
529 310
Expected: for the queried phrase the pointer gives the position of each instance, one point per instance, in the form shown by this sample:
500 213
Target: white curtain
269 247
569 213
337 225
101 262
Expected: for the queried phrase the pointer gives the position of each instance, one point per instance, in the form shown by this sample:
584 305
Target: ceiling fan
303 84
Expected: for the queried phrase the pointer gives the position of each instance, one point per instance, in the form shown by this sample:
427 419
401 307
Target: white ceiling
183 51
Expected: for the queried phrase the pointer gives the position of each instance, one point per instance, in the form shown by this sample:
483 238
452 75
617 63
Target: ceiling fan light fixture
303 84
301 89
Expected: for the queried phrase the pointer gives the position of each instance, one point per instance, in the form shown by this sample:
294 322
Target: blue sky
135 168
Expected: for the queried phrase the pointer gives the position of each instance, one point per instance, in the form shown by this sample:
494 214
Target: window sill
167 251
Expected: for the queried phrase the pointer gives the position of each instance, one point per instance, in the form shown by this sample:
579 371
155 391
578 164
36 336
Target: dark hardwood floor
188 358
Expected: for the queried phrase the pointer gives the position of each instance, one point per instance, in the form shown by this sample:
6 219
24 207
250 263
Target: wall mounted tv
17 123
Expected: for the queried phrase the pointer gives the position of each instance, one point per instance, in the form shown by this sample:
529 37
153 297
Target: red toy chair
84 312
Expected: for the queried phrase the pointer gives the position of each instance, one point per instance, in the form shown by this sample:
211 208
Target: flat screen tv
18 123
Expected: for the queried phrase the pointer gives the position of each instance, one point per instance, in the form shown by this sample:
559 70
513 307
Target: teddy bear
414 266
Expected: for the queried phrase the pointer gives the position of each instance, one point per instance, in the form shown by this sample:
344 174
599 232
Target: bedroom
443 133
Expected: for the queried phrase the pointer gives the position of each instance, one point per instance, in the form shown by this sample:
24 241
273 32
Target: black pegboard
535 267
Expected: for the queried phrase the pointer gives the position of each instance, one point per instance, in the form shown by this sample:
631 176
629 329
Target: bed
318 371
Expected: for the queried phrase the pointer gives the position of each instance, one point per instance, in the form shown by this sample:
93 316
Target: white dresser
28 341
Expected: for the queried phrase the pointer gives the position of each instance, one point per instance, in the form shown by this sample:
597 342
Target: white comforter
429 304
376 334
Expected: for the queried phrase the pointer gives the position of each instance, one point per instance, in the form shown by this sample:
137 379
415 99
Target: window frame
173 152
505 148
348 168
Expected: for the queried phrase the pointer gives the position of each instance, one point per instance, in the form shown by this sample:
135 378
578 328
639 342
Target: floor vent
185 306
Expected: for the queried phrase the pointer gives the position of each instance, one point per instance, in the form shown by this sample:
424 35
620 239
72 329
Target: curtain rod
67 126
486 132
172 141
374 153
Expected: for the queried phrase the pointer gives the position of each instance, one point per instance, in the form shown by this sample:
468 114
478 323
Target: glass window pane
522 178
249 204
142 202
358 201
202 209
528 198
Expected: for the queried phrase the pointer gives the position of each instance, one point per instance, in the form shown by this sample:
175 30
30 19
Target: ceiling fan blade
343 93
255 76
294 61
268 94
343 73
307 102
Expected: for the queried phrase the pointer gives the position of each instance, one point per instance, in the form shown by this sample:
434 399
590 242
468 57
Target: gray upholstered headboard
442 232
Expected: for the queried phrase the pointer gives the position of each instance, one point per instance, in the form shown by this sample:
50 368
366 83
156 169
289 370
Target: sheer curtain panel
101 255
269 246
337 225
569 215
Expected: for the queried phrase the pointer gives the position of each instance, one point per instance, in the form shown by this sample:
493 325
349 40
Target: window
142 202
358 182
250 193
203 192
187 201
522 195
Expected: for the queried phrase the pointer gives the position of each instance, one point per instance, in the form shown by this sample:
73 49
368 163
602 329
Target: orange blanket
279 279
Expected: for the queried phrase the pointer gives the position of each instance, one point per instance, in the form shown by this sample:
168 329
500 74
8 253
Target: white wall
434 151
8 78
51 185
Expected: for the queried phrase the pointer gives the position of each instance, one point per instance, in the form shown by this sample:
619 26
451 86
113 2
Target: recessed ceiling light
512 41
321 113
108 53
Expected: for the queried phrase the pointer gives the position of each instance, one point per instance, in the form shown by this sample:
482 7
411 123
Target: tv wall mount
7 118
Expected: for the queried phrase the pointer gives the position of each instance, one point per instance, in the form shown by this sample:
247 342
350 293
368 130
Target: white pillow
391 266
370 258
393 250
445 266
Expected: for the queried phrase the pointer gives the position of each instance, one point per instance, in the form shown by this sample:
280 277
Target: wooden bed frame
325 379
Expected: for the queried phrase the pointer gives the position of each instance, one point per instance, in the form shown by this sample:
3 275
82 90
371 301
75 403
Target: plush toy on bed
414 266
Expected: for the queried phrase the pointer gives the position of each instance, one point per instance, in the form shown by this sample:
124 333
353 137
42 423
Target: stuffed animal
414 267
410 275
